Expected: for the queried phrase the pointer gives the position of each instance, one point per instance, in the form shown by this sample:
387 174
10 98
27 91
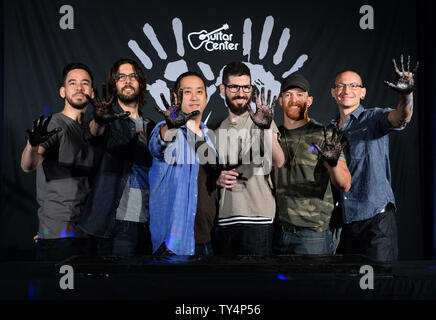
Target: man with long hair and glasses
116 212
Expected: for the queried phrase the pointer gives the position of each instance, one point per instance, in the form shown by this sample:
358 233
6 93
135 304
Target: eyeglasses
233 88
122 77
352 86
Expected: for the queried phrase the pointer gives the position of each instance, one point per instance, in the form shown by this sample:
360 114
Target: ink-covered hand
103 108
405 78
39 133
174 116
264 113
332 148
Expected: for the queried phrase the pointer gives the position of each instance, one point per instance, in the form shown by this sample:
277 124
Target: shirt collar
356 114
118 109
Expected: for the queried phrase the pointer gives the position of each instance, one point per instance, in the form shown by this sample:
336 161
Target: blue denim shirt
119 143
173 189
367 156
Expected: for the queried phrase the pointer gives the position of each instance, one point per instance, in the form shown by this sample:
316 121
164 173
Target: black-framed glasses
352 86
122 77
233 88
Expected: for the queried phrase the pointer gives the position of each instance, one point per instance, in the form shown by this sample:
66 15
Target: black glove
39 133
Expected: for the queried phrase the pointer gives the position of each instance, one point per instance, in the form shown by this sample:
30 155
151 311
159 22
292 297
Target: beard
133 97
297 113
237 109
76 105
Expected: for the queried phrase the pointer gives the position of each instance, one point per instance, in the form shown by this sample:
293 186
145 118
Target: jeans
246 239
303 241
128 239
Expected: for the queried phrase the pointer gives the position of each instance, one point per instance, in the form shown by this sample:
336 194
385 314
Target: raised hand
264 113
103 108
332 148
39 133
405 78
174 116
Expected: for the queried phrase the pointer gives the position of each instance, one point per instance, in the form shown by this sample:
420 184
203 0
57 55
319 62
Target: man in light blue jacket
183 158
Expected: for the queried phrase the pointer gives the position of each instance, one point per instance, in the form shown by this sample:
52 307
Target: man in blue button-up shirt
368 207
179 145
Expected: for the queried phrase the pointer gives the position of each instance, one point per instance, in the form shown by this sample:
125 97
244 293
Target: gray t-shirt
62 181
134 201
249 201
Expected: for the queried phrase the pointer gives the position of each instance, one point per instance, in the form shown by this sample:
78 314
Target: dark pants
61 249
246 239
203 249
128 239
375 237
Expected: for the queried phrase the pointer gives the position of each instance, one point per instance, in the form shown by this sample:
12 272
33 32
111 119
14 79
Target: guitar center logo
215 40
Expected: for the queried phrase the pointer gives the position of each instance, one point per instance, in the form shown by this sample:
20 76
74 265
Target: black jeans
127 239
375 237
246 239
61 249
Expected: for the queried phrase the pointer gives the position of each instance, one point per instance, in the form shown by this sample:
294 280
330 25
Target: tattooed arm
404 86
403 113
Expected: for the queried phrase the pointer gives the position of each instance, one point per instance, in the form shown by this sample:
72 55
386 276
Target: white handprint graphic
174 68
204 40
259 76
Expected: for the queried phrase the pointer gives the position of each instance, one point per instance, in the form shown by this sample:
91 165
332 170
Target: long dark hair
111 81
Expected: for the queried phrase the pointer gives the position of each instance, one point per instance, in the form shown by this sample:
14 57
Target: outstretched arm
404 86
32 157
339 174
263 118
278 157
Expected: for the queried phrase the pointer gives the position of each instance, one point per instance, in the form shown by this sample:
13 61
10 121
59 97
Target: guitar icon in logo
202 36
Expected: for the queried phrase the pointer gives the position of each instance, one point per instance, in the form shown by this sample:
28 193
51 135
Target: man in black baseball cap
305 201
295 81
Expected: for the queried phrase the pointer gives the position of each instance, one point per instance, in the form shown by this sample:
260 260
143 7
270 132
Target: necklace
292 160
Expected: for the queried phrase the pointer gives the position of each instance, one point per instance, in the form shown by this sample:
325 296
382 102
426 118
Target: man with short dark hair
182 178
302 186
368 208
64 162
248 147
116 212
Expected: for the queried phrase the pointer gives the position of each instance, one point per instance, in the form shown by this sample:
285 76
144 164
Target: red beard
297 113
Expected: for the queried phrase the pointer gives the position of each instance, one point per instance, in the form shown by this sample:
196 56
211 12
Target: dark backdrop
324 38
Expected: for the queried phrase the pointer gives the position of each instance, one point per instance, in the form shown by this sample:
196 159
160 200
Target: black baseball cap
295 81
